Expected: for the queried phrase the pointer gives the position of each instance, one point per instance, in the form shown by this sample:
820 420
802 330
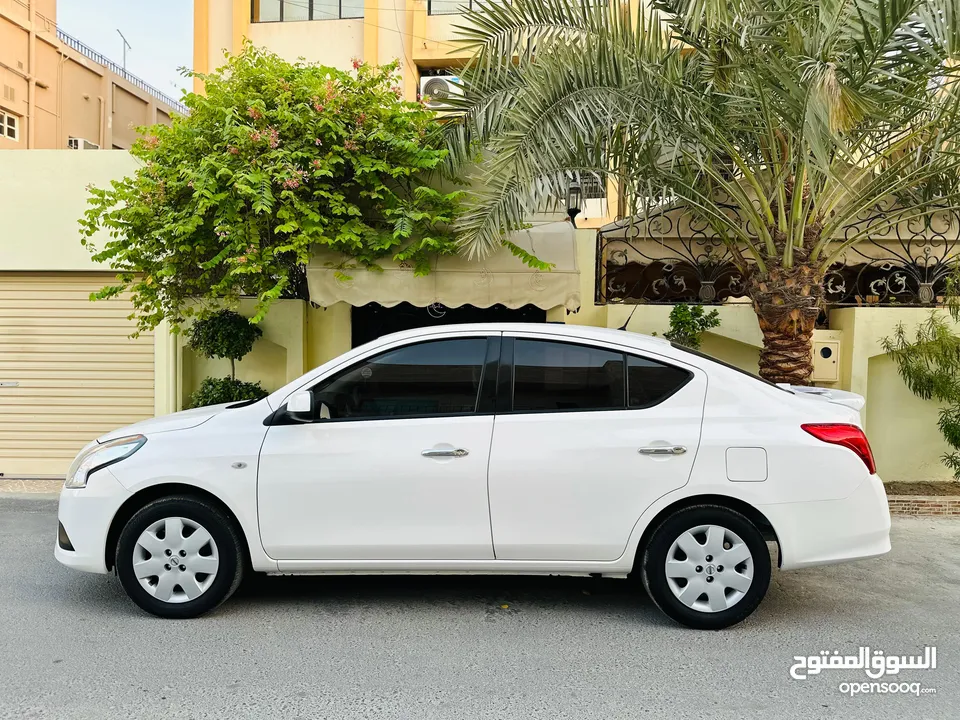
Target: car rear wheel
707 567
179 557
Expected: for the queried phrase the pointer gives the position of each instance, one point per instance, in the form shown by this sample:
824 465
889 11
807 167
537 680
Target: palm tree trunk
787 302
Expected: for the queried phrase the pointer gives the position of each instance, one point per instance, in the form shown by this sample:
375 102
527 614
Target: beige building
68 368
419 34
60 94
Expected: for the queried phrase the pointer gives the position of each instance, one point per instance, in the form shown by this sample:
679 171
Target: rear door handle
458 452
668 450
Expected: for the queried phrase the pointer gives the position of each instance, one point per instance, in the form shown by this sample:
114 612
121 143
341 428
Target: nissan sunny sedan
488 449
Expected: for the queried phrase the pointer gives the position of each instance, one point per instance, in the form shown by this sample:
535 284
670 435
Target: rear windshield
729 366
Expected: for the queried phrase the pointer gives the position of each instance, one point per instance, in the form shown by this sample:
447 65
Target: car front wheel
707 567
179 557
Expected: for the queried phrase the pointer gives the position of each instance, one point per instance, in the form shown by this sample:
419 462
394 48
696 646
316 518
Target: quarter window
560 376
440 377
650 383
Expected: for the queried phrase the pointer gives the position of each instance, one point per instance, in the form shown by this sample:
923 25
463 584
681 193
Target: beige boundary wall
37 235
902 427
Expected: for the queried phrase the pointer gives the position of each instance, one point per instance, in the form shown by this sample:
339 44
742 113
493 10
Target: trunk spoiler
838 397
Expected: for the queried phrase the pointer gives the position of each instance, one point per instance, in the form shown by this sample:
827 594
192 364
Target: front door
584 445
394 466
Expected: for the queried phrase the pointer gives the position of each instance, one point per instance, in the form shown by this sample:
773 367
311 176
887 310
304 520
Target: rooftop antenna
126 46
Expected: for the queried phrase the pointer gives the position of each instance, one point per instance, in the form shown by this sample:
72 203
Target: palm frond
804 112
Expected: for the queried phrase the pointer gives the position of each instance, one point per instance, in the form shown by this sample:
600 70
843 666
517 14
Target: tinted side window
441 377
559 376
650 383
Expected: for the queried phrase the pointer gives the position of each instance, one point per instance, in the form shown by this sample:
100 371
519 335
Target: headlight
99 457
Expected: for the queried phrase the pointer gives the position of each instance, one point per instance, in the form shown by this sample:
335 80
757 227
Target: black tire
225 534
654 574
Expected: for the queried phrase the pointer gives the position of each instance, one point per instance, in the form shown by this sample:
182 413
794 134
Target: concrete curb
33 488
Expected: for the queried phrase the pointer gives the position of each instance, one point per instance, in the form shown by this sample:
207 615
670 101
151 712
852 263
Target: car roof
561 330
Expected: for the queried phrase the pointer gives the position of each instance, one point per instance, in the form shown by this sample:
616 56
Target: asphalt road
72 645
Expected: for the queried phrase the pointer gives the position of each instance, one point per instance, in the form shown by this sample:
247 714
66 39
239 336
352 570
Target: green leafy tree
929 364
275 158
224 334
689 322
778 122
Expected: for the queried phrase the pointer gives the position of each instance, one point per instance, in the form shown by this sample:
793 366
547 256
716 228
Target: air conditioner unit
826 361
76 143
436 89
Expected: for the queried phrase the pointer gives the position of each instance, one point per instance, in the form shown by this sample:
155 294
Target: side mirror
300 406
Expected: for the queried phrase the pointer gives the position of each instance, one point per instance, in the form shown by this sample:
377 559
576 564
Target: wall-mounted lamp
574 201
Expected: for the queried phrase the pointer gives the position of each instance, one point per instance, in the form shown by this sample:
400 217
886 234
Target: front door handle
458 452
667 450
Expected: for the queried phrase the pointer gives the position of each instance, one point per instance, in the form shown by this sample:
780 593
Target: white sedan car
489 449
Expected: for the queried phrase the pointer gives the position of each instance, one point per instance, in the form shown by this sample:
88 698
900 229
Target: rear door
586 438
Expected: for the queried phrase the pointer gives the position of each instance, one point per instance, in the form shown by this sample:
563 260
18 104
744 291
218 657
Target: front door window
423 380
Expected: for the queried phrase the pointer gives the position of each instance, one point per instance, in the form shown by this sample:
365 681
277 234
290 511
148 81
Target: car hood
183 420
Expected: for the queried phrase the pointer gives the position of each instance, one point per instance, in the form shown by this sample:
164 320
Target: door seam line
493 429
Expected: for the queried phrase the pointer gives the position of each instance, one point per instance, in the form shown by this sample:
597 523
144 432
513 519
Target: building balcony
434 34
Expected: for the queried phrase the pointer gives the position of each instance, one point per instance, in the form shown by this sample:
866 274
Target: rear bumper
832 531
85 515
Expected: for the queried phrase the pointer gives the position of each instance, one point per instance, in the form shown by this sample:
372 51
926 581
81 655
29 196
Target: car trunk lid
837 397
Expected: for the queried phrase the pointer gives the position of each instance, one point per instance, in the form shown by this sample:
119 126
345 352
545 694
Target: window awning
453 281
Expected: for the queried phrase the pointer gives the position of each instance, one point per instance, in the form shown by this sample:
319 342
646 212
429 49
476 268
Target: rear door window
557 376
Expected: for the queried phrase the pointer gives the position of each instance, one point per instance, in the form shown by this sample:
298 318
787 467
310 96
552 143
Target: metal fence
117 70
672 256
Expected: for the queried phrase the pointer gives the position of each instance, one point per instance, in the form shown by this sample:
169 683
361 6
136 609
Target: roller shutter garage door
68 369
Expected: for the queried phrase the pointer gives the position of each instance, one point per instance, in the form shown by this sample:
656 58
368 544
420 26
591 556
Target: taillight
850 436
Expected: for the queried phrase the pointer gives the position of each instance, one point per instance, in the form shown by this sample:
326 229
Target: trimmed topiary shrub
224 334
214 391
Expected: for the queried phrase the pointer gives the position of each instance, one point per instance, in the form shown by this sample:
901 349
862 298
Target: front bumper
86 514
832 531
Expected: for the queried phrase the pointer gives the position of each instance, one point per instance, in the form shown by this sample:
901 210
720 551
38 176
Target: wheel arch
154 492
736 504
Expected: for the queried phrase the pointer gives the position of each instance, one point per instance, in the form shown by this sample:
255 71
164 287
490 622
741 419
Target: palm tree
808 114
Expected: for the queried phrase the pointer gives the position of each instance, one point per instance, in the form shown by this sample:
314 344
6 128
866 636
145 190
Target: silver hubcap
176 560
709 568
